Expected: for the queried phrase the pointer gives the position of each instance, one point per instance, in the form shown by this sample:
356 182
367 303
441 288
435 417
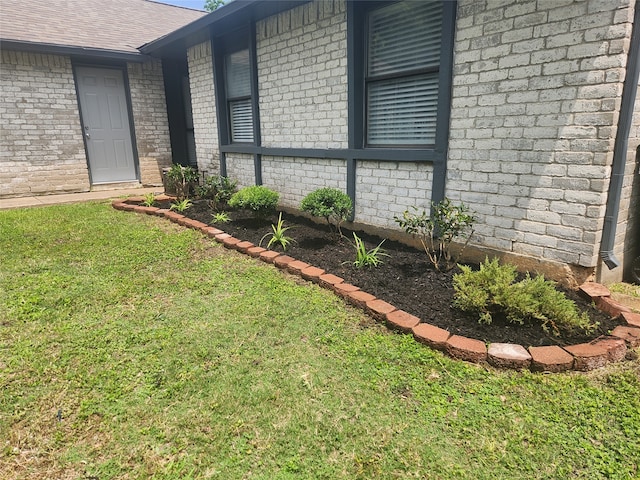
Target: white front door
105 124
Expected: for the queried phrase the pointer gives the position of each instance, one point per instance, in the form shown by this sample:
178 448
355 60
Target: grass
131 348
626 289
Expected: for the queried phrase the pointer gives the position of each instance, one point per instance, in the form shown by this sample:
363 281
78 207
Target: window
238 88
402 73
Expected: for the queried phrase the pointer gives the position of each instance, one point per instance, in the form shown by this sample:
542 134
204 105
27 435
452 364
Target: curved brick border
583 357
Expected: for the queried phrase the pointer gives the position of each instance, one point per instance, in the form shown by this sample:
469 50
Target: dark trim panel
217 63
383 155
438 186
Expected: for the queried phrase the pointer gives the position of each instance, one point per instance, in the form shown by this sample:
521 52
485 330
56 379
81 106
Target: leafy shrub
261 200
437 231
329 203
367 258
278 236
182 179
217 190
493 290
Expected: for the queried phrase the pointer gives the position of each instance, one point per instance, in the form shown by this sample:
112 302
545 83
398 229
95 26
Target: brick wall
294 178
302 76
386 189
150 119
41 145
535 106
536 92
240 167
204 107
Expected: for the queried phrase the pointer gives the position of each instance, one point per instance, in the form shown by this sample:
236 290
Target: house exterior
525 111
80 106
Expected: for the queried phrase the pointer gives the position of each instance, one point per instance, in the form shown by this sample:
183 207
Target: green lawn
132 348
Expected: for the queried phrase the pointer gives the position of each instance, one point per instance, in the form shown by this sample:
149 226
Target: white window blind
402 73
241 120
238 77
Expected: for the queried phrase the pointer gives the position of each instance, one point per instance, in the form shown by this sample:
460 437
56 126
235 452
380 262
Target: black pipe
620 147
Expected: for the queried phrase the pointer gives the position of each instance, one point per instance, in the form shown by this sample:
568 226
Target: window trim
402 74
242 39
357 53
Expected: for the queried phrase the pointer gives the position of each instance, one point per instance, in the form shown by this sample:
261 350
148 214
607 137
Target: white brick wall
149 107
386 189
240 167
536 92
535 106
302 76
204 107
309 174
41 146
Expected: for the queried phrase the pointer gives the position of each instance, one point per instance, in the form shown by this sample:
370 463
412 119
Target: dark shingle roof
118 25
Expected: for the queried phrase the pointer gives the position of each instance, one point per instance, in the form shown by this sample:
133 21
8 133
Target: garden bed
405 279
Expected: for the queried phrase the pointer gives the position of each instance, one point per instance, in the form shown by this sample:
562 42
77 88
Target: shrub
493 290
217 190
329 203
261 200
182 179
437 231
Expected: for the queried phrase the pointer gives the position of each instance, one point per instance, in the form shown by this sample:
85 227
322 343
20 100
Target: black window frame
233 42
357 28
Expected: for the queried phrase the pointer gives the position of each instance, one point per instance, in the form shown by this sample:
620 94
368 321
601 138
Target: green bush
261 200
217 190
437 231
183 179
329 203
493 290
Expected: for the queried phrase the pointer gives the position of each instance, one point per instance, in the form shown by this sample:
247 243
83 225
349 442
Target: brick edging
582 357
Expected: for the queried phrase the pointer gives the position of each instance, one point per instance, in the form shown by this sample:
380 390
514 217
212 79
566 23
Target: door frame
75 63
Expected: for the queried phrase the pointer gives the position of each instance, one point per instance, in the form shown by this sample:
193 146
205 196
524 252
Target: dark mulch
406 279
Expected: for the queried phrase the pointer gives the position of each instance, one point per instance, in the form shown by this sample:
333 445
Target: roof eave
198 30
71 50
196 26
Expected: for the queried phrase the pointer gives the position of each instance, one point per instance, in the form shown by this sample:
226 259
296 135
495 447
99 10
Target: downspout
620 147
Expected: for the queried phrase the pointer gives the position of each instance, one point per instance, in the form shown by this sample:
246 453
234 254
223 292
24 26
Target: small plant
278 236
149 199
181 206
220 217
330 204
217 190
437 231
261 200
182 178
493 290
367 258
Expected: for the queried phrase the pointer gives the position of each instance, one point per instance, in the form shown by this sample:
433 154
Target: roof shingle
119 25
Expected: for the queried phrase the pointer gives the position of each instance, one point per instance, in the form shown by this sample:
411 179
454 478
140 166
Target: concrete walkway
41 200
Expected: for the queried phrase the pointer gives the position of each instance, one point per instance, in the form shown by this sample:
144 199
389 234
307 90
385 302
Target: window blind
241 120
402 81
238 78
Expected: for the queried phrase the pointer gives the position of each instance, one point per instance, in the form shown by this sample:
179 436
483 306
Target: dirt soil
406 279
